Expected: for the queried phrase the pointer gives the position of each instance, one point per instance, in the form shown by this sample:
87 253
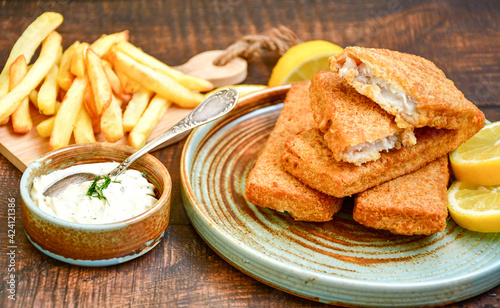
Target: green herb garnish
96 188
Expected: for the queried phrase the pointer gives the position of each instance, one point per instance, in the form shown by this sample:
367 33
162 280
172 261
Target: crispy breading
307 157
269 185
407 86
356 128
412 204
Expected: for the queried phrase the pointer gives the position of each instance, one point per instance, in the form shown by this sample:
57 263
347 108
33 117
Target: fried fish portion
355 128
307 157
269 185
407 86
412 204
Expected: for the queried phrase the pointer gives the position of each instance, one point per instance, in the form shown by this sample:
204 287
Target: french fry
21 118
47 95
83 131
190 82
96 125
17 70
35 75
89 103
64 75
135 108
59 55
149 119
33 96
98 81
5 121
156 82
61 94
77 67
103 44
28 43
45 127
4 85
57 106
67 114
114 82
128 85
111 121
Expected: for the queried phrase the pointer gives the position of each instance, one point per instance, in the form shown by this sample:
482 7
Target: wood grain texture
461 37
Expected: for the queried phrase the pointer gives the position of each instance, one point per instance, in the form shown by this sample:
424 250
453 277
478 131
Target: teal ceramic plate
338 262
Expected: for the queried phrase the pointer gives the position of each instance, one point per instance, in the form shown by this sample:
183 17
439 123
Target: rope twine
251 46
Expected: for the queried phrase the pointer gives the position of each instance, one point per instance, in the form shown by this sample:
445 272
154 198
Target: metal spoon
215 106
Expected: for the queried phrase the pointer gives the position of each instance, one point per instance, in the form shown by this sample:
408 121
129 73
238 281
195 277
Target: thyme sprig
98 185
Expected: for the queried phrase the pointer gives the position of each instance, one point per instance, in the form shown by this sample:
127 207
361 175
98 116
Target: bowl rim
25 189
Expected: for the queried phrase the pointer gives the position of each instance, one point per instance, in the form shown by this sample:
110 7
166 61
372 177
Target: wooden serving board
21 150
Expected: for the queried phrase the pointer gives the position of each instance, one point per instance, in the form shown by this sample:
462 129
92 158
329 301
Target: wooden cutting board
21 150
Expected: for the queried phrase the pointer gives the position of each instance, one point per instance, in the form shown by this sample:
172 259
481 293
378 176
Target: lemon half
478 159
475 207
301 62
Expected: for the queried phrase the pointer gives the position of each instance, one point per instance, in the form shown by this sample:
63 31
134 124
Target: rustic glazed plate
338 262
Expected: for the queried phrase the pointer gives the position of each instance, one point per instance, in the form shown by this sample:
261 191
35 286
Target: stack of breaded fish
378 127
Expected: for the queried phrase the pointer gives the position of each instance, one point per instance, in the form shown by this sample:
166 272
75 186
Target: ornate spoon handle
210 109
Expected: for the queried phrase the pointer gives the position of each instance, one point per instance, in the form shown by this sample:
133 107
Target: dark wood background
461 37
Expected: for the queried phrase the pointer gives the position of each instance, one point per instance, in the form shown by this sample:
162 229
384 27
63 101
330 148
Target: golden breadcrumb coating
307 157
269 185
356 128
412 204
407 86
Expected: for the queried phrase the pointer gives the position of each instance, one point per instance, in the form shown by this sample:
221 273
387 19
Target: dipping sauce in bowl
95 202
80 242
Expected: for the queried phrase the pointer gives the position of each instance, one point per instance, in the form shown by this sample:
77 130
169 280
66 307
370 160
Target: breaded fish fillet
415 203
307 157
269 185
356 128
407 86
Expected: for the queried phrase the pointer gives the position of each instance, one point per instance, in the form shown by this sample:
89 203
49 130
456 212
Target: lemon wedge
243 89
302 61
478 159
475 207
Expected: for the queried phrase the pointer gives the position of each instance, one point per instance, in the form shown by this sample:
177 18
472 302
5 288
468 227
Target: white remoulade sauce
126 196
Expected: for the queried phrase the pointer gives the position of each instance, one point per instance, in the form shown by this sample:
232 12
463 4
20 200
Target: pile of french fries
109 86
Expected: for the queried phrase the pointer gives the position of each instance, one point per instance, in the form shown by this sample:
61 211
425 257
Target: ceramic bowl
99 244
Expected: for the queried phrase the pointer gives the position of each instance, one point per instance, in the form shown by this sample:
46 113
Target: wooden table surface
461 37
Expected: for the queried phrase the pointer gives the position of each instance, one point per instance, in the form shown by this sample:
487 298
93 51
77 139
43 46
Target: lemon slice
475 207
302 61
478 159
243 89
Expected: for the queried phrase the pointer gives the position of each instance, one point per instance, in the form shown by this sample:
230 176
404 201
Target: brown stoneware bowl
96 244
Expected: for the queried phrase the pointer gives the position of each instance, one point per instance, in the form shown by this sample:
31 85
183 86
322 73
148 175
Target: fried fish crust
356 128
307 157
413 204
411 88
269 185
